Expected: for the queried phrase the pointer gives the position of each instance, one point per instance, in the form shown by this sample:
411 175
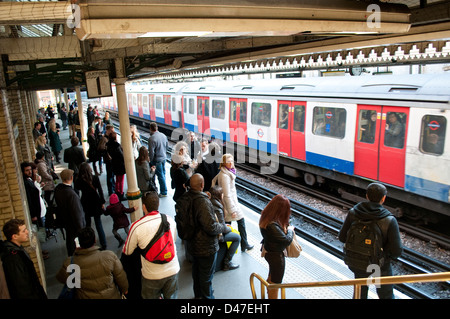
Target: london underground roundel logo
434 125
260 133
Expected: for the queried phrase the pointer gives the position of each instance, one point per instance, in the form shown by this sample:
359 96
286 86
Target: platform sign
98 84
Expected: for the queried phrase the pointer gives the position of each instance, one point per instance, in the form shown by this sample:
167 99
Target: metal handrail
356 283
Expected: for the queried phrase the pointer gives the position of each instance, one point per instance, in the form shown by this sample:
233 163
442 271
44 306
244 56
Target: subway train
351 130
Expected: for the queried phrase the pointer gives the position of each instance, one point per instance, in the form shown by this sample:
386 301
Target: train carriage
391 129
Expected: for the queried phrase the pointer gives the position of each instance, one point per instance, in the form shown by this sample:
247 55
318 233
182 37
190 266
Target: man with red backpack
155 235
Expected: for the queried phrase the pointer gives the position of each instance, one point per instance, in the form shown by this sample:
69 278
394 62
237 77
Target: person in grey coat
157 150
70 209
144 173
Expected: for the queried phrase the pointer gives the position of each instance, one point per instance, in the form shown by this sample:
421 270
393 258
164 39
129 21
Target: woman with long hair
92 199
144 173
226 179
227 253
277 235
42 146
135 141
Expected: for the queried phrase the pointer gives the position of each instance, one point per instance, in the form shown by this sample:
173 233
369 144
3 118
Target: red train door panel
380 143
203 113
394 126
139 104
167 108
284 133
291 129
130 103
367 141
298 116
238 121
151 105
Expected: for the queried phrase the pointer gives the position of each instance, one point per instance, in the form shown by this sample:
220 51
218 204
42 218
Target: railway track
420 233
411 261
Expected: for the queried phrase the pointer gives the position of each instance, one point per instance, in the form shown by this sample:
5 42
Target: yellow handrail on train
356 283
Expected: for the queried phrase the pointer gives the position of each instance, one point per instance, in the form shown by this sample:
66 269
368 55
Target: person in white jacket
232 211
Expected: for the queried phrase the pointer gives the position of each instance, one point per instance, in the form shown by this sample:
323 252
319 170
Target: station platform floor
313 264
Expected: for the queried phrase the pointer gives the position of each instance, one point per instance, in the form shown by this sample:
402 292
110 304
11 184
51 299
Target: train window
432 138
206 107
299 118
191 106
283 116
329 121
158 102
174 105
233 110
243 112
394 134
151 102
367 126
185 105
261 113
199 107
144 102
218 109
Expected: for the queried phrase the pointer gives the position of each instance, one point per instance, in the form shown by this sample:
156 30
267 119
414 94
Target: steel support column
133 193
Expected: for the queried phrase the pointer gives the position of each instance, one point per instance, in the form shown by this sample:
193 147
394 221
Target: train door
139 105
380 143
130 103
238 121
203 113
291 129
167 109
183 111
151 106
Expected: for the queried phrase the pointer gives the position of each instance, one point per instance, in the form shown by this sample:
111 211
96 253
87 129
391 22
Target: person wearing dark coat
118 163
117 211
92 199
179 176
33 194
21 277
92 153
209 167
69 209
55 142
205 244
392 246
74 156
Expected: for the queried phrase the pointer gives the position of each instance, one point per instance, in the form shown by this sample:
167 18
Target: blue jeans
203 269
167 287
161 173
99 227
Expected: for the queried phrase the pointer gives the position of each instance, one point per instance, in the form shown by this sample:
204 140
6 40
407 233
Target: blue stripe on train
330 163
427 188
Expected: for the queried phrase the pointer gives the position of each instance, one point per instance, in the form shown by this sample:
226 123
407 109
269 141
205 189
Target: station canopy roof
51 44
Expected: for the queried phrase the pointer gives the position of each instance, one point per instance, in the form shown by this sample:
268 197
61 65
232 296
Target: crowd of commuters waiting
198 170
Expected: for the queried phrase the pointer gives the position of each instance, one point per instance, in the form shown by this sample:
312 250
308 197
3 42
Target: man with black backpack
372 239
200 232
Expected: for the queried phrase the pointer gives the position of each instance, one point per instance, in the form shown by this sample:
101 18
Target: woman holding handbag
277 236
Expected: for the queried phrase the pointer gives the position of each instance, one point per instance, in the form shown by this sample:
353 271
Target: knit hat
113 199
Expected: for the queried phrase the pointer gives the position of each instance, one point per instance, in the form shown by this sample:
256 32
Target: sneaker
162 195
